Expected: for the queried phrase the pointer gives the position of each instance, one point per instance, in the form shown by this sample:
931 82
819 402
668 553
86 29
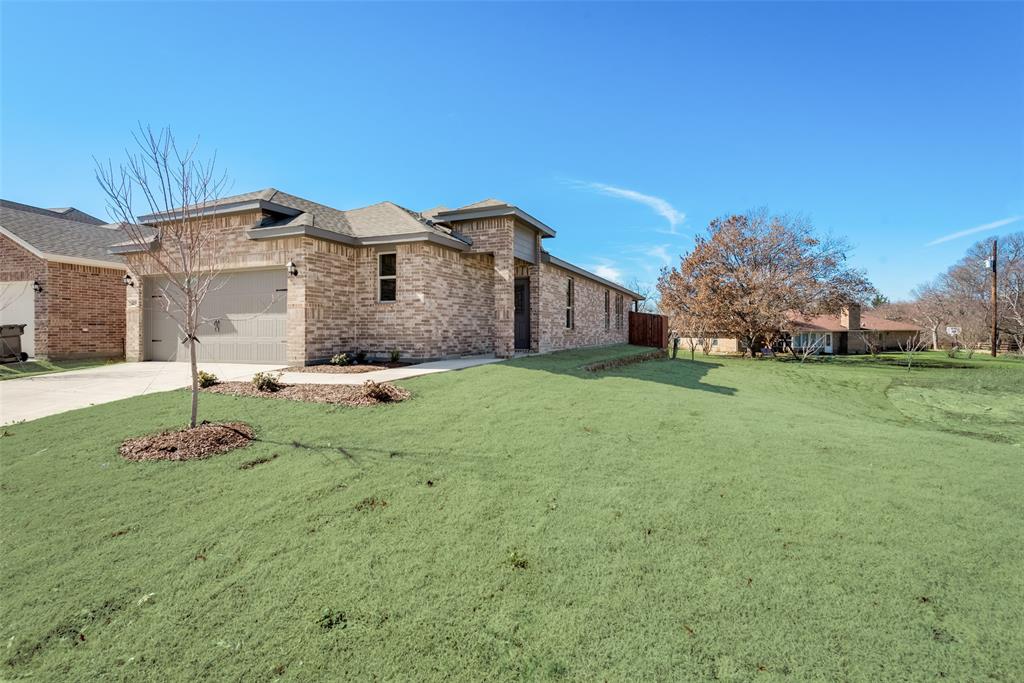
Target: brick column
135 297
504 300
535 311
297 333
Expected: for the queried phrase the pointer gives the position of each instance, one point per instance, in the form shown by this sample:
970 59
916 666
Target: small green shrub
340 359
395 355
267 381
207 379
360 357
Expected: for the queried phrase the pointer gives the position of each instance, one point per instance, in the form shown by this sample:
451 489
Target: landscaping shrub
340 359
267 381
360 357
207 379
396 354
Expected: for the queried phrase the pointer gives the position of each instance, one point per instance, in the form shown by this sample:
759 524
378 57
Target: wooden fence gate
648 329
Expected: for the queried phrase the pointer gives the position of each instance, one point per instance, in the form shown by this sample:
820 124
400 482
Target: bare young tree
181 189
872 341
649 304
812 349
910 346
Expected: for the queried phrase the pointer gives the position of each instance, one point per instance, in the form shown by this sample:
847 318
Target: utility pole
995 301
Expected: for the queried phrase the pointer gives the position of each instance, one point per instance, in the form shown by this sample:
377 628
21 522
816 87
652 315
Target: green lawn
676 520
45 367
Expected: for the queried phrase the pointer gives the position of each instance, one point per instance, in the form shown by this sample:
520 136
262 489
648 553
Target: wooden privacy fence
648 329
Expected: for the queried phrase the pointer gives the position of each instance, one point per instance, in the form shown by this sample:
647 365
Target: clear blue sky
894 124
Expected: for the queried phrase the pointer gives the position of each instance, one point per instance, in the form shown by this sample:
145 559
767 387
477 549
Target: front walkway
389 375
30 398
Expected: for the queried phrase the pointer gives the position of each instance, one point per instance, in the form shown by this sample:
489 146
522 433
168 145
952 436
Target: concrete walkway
390 375
30 398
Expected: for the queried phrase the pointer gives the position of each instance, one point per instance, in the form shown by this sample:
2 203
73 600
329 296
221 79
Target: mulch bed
339 394
344 369
656 354
193 443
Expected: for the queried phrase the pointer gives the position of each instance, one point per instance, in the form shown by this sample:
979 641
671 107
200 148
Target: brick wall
494 236
444 303
80 312
84 310
589 325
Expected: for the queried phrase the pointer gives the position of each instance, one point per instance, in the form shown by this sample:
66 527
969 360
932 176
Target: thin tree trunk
195 381
935 337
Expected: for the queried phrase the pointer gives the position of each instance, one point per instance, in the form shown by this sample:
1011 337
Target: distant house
849 332
301 281
58 278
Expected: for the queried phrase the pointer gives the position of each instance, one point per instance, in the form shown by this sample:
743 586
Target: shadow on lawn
685 374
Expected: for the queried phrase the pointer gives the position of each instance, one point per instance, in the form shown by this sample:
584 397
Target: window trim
570 303
607 309
381 278
619 308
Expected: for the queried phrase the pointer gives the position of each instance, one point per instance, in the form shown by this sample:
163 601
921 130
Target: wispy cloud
608 270
659 253
660 206
978 228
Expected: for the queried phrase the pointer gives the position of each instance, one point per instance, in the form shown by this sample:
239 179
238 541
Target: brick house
849 332
301 281
59 279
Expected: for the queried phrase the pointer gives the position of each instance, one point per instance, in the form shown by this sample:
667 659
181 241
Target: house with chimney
851 331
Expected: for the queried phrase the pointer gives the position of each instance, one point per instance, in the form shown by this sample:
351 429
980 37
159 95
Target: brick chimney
850 317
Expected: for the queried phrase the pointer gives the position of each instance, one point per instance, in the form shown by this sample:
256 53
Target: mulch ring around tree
367 394
193 443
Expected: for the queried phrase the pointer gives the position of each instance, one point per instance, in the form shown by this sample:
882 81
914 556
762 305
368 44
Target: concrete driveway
29 398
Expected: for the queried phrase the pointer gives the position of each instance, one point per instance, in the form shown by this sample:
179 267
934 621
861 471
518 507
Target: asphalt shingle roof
51 233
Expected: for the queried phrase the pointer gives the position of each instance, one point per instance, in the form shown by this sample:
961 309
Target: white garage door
18 307
244 320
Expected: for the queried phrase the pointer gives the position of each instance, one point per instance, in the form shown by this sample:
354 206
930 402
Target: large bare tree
751 271
161 178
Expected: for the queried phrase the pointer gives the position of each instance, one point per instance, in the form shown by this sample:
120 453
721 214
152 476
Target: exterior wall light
292 270
36 287
127 280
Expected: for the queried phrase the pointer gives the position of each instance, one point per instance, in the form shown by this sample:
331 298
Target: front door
522 321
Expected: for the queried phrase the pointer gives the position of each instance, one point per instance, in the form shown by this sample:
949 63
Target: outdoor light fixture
292 270
127 280
36 286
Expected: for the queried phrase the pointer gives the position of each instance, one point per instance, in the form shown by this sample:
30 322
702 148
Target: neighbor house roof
50 236
832 323
74 214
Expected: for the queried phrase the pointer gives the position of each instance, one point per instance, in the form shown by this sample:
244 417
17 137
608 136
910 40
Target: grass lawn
45 367
675 520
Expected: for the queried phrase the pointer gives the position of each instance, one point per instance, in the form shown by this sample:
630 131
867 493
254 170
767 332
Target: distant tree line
962 298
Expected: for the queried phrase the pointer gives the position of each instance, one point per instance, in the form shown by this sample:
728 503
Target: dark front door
522 322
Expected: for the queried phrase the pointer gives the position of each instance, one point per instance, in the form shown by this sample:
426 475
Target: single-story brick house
301 281
58 277
846 333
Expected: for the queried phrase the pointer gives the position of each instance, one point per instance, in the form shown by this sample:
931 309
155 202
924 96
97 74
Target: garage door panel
244 320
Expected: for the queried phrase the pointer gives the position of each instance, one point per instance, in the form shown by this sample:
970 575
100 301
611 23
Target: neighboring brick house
59 279
850 332
301 281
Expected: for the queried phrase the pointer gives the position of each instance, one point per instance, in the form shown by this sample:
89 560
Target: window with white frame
570 301
387 276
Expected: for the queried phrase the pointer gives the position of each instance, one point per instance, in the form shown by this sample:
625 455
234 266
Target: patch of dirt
344 369
371 503
193 443
249 464
338 394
